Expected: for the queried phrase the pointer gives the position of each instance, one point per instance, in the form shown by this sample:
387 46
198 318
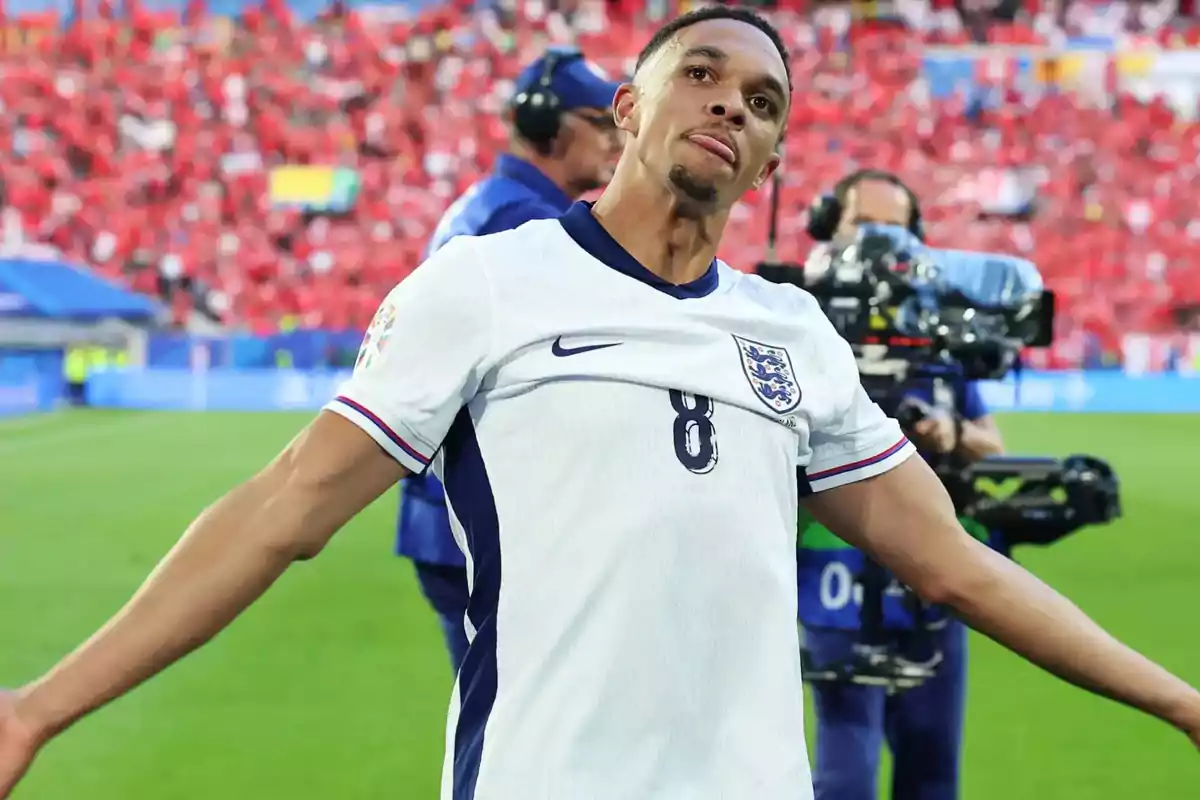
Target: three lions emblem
771 375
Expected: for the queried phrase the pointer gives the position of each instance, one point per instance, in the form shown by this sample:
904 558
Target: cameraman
922 726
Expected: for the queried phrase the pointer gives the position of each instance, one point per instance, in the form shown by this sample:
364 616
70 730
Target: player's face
707 112
593 145
876 201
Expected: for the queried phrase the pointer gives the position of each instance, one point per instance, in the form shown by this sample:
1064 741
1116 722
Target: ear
625 108
768 170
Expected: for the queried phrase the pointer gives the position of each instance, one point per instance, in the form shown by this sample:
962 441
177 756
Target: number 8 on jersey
695 436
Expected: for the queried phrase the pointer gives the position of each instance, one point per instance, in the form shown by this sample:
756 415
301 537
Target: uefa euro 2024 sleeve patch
771 375
377 335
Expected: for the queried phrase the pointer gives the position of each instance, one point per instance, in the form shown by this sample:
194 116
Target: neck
550 167
658 230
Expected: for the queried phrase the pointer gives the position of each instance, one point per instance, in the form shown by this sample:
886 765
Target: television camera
913 312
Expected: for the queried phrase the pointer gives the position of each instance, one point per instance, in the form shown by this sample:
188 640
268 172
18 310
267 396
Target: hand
19 744
935 434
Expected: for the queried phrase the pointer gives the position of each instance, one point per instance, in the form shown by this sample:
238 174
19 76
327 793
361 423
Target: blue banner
214 390
30 381
287 389
1095 392
298 349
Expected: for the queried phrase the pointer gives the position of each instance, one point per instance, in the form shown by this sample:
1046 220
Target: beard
698 195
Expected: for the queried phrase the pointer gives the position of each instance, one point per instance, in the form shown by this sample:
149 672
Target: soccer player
623 438
564 143
922 726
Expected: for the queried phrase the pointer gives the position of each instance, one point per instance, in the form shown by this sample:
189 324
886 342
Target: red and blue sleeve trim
384 428
861 463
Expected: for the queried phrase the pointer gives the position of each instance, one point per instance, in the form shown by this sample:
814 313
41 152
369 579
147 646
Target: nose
733 110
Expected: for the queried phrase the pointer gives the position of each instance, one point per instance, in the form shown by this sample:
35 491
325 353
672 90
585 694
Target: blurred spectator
285 167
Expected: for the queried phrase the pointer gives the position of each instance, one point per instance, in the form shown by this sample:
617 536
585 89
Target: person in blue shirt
921 726
563 144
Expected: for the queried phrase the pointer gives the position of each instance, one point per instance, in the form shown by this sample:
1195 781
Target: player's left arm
894 508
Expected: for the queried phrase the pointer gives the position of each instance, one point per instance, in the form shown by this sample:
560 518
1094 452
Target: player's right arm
891 506
225 560
420 363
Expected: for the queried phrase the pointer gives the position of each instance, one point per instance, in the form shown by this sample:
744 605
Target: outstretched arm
904 519
421 361
226 559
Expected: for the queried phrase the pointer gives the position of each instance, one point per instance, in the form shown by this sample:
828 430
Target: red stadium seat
128 158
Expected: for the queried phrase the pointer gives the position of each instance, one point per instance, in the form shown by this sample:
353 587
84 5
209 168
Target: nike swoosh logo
560 351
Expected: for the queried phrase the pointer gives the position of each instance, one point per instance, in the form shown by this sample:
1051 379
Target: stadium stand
283 167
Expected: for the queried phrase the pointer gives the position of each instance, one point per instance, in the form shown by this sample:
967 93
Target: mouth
718 144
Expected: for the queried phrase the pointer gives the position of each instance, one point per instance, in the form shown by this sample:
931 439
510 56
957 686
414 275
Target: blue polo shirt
514 193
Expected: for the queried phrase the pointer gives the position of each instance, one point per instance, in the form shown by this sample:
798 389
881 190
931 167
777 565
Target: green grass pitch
336 685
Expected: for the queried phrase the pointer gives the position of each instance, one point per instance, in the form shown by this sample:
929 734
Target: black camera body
913 313
907 308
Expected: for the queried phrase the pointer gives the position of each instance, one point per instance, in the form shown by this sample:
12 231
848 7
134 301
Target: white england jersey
620 460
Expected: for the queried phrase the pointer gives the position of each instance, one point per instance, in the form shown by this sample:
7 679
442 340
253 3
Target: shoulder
456 263
533 231
819 350
501 253
775 297
458 250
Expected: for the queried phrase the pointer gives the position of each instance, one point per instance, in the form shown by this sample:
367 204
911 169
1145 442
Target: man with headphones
868 195
922 726
563 144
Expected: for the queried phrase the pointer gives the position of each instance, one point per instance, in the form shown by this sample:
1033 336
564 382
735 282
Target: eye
698 73
763 103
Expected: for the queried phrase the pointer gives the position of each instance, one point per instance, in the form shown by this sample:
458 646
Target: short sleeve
862 443
422 357
853 439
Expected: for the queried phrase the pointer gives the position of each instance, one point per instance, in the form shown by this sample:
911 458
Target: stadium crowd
144 146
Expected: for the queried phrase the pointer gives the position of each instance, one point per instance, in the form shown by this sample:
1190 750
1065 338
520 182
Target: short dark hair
664 34
843 187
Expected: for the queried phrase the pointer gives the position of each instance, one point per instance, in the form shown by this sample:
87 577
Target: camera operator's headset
826 211
537 111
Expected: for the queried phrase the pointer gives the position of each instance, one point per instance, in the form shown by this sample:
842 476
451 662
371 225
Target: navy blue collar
532 178
589 234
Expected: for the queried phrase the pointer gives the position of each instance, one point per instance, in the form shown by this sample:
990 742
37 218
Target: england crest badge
771 375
